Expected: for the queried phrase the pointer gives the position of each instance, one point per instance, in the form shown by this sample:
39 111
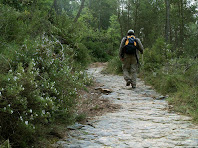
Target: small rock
75 126
161 97
104 90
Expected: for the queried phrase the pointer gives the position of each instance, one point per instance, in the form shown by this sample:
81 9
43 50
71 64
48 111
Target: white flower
8 79
30 110
15 78
0 93
43 111
21 118
11 111
26 122
9 105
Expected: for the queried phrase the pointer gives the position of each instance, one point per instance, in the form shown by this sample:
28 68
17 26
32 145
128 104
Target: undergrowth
173 76
40 75
169 75
114 66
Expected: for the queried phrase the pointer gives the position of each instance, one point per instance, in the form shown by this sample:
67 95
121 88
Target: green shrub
114 66
97 43
178 78
185 100
157 56
190 43
10 26
81 55
39 89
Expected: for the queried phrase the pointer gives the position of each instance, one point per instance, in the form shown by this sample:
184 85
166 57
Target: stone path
142 122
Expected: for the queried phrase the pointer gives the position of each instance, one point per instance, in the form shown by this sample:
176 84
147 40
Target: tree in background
167 26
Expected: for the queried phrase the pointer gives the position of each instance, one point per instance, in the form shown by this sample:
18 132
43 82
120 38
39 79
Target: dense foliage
173 76
168 30
46 45
43 53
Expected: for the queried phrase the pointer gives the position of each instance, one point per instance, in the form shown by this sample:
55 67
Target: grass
114 66
177 78
179 86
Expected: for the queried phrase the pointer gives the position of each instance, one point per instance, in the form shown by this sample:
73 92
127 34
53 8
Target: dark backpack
130 45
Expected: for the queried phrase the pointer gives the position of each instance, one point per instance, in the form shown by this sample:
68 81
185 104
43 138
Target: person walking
129 47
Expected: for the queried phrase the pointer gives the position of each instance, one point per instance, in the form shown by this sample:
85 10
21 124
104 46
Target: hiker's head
130 32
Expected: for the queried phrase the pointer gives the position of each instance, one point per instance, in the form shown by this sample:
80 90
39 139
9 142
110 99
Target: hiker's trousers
129 68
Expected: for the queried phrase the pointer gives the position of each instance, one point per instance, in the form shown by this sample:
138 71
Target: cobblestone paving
142 122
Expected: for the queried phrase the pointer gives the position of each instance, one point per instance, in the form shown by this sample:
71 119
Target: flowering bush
39 88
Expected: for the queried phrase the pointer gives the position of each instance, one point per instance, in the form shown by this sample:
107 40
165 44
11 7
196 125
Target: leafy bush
41 60
114 66
157 56
190 42
97 43
39 89
178 78
81 55
10 26
173 75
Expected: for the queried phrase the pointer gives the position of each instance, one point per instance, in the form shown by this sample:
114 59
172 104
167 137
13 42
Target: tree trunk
181 23
79 11
99 21
119 20
136 14
123 19
167 27
128 15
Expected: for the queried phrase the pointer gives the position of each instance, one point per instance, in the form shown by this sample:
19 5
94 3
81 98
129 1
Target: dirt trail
141 122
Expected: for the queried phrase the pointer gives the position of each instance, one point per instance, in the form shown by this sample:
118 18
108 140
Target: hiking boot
128 83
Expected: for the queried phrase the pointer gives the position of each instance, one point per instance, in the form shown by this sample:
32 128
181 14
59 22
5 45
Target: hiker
129 47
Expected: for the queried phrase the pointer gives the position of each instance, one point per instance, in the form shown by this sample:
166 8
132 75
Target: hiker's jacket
139 47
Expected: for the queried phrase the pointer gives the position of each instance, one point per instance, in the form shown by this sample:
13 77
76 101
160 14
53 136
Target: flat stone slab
104 90
142 121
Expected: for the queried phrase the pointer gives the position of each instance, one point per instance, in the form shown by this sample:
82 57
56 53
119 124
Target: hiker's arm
121 52
140 46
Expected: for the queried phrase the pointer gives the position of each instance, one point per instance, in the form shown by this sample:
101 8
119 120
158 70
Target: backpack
130 45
